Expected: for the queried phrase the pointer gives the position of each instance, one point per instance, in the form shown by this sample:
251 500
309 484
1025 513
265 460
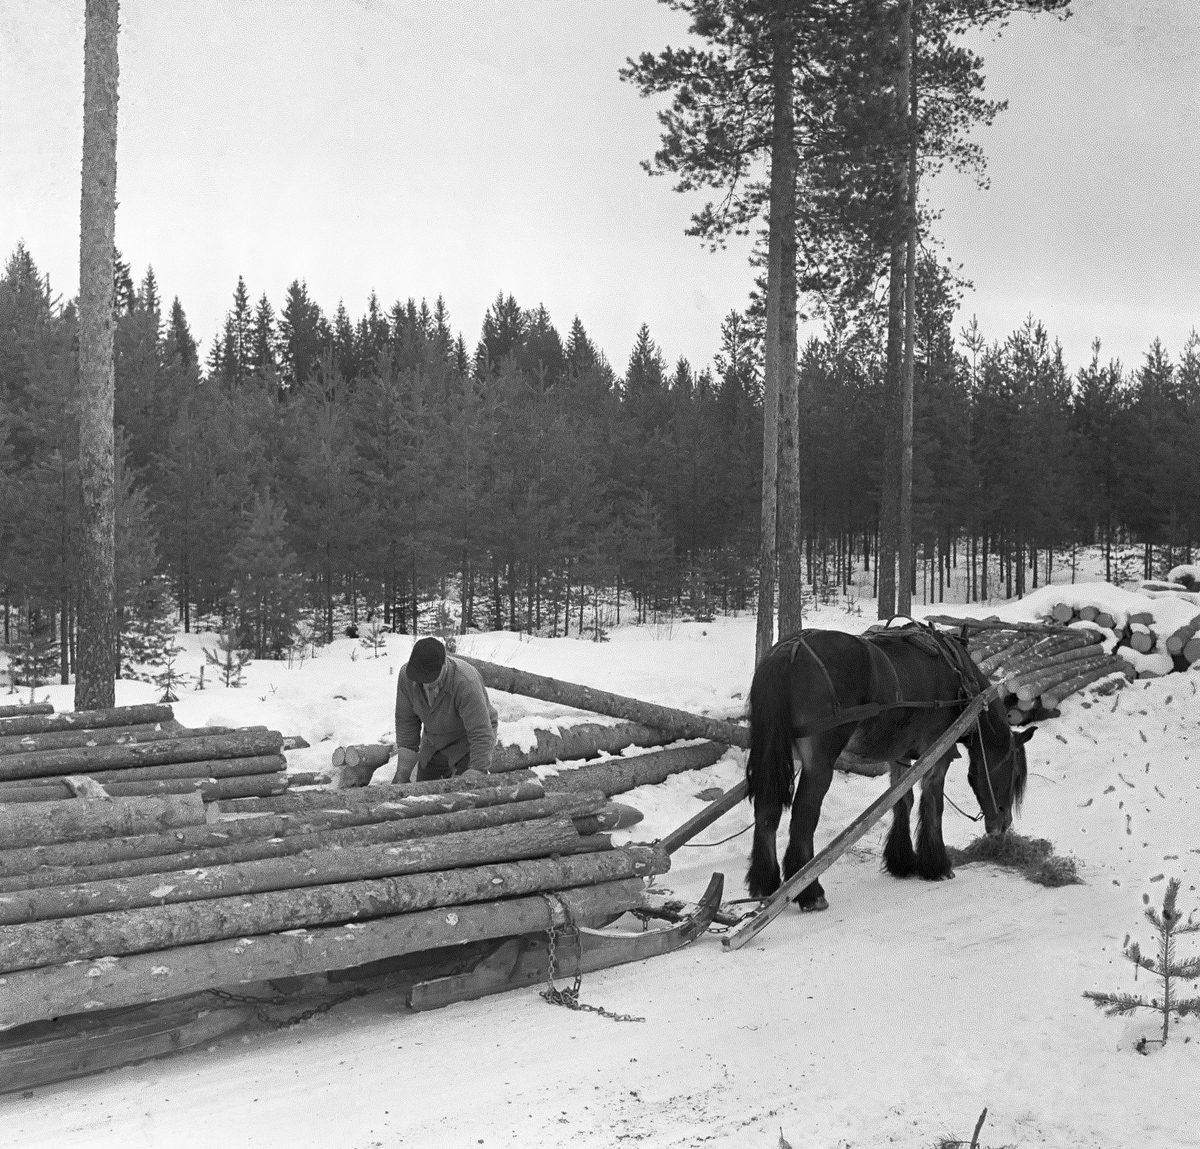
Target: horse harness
931 640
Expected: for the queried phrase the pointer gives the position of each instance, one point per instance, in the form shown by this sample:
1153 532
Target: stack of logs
1039 665
1182 644
139 899
134 751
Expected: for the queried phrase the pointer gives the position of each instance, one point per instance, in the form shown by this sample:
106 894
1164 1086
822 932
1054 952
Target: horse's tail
770 773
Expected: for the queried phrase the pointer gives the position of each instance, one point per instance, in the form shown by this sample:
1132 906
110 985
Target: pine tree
1167 967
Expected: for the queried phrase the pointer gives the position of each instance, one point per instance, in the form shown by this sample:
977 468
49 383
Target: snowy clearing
893 1018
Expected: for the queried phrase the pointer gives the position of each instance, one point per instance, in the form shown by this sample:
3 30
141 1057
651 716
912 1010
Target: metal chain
569 998
307 1015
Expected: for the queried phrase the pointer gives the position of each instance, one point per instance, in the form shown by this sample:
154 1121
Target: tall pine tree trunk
889 484
783 164
908 90
94 683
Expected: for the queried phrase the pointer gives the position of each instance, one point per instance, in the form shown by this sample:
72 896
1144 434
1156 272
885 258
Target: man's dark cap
426 661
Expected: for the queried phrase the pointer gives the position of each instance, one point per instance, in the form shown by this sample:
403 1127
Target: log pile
1039 665
134 751
139 899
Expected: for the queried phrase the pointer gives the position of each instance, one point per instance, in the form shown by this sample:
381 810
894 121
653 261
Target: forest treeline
308 469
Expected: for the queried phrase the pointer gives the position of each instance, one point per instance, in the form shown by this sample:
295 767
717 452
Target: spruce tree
267 590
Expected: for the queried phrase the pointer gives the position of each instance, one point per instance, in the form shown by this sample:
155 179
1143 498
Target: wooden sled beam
525 961
806 875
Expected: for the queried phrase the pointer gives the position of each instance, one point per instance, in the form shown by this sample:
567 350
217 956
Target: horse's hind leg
899 858
933 863
811 787
762 878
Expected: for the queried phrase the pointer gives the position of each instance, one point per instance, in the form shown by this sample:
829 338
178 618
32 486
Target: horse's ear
1023 736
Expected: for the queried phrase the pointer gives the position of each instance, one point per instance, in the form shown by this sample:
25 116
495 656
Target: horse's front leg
815 775
899 859
933 863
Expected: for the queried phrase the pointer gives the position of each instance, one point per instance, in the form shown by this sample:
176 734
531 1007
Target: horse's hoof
812 907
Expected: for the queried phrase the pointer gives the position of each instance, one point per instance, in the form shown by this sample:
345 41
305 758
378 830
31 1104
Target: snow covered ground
891 1019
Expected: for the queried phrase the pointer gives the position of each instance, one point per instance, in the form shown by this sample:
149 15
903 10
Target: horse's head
998 773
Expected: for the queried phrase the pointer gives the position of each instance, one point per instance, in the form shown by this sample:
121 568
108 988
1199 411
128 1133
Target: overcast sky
467 147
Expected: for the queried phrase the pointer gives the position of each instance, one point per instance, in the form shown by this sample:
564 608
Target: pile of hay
1033 857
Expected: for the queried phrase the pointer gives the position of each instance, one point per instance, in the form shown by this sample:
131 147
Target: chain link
264 1003
569 998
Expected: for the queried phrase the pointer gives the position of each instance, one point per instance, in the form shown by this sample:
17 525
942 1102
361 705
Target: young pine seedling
1168 967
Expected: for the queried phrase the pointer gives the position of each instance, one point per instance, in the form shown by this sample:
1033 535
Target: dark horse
886 696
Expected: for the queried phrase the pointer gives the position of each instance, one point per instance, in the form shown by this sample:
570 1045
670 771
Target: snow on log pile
139 899
1061 639
134 751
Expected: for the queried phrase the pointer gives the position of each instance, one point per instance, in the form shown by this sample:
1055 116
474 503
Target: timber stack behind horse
885 696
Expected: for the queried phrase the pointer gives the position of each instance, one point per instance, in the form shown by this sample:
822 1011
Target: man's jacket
457 720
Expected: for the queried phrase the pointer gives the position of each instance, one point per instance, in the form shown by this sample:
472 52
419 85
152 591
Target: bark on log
211 768
580 808
88 719
616 775
1053 697
1062 673
1020 676
371 795
25 710
77 987
977 625
1042 653
587 740
42 823
1181 637
308 778
88 759
541 838
372 754
678 723
163 927
1009 651
107 736
210 789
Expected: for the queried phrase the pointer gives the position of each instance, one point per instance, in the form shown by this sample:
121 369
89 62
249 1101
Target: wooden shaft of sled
616 775
807 874
210 789
677 723
581 809
586 740
162 927
536 839
705 818
41 823
85 759
209 768
64 989
87 719
106 736
28 709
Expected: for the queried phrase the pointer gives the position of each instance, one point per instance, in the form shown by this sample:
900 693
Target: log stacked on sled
149 898
1040 665
135 751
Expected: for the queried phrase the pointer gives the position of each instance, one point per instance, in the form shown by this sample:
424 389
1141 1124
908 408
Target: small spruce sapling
374 640
1168 968
169 680
228 658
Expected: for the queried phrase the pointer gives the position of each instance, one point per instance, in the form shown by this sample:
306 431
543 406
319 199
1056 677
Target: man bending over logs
444 722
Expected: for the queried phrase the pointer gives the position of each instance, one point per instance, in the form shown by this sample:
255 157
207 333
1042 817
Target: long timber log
1018 679
207 768
106 736
210 789
1033 686
586 740
88 719
42 823
1047 653
28 709
162 927
513 842
1053 696
617 775
76 987
677 723
582 809
85 759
